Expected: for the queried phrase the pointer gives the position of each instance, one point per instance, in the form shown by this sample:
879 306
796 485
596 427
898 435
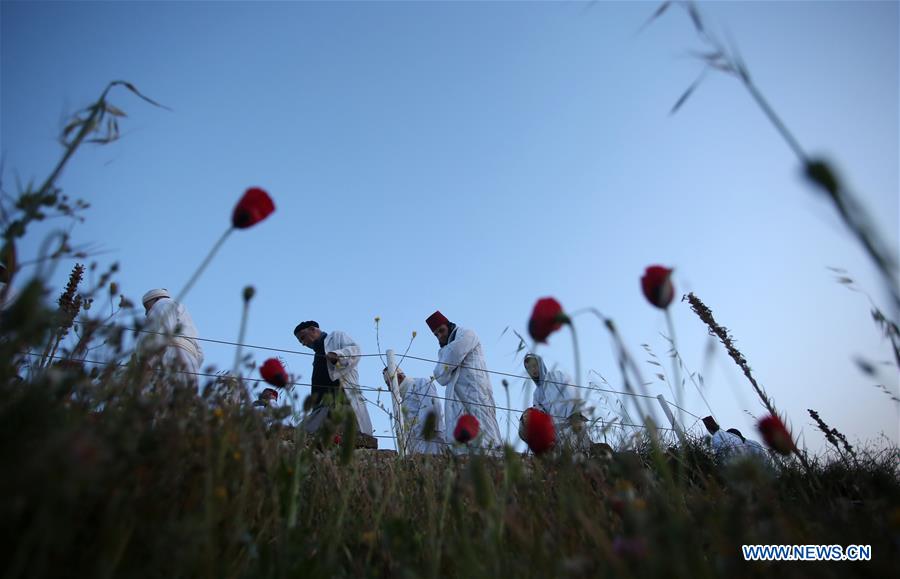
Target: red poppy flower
547 317
776 435
540 434
466 428
657 286
269 394
274 373
253 207
337 439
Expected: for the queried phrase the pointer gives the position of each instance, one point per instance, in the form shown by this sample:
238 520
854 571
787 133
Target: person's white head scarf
153 294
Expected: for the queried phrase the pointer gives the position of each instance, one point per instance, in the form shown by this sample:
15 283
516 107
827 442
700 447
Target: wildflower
466 428
776 435
657 286
539 431
253 207
249 292
274 373
337 439
546 318
377 319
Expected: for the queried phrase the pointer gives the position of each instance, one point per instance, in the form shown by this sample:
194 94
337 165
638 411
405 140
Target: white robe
555 394
754 448
419 397
347 372
726 445
174 339
461 368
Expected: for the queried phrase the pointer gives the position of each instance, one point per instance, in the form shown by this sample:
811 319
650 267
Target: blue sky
474 157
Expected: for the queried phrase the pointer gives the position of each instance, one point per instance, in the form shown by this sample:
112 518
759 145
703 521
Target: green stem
86 128
856 220
240 340
676 371
792 142
203 265
295 490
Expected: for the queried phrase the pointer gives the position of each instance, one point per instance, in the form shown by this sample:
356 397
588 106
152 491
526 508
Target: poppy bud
540 434
657 286
776 435
253 207
466 428
547 317
274 373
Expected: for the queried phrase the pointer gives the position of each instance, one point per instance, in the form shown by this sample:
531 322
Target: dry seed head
70 303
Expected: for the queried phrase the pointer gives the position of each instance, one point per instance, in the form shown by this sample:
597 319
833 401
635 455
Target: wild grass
123 471
107 481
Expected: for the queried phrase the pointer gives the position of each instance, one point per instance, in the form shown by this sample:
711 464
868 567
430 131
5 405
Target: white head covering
155 293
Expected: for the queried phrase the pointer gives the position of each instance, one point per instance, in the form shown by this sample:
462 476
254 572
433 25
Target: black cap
304 325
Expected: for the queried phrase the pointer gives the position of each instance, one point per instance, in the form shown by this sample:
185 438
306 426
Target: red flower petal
546 318
253 207
540 433
776 435
466 428
657 286
273 372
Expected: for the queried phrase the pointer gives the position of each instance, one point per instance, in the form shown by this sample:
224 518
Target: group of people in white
429 419
461 371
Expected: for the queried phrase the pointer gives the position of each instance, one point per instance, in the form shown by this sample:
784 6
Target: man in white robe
418 399
555 394
335 371
170 338
462 370
725 445
751 447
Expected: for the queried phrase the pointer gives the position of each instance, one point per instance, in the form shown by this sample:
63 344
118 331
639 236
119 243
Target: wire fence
417 358
595 424
361 387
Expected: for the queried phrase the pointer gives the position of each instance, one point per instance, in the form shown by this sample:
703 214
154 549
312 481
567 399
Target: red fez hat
436 320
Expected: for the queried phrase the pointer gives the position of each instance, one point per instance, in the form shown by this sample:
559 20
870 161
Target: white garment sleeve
454 354
348 351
